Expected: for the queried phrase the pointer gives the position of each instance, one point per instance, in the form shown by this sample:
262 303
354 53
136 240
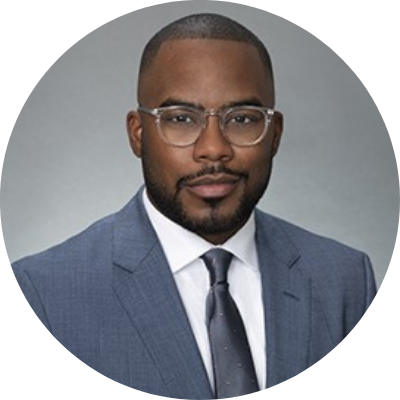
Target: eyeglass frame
158 111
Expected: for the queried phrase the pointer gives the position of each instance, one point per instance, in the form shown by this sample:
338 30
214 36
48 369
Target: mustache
212 170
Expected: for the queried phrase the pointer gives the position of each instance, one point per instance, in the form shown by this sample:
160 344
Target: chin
214 220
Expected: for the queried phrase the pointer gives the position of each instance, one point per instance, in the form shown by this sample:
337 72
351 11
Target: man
142 295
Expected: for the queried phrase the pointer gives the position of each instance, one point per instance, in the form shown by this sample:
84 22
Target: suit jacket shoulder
333 265
45 277
108 296
315 292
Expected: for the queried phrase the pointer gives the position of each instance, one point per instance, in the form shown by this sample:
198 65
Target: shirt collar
191 246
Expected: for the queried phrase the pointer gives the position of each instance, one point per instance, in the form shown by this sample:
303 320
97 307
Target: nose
212 145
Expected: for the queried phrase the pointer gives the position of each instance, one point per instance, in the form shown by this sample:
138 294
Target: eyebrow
171 101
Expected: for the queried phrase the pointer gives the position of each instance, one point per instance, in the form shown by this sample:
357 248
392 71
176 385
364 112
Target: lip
213 186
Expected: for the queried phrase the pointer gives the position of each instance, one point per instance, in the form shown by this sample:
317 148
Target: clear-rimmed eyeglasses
181 126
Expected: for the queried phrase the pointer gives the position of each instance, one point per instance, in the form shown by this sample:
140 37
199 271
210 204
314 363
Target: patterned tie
233 367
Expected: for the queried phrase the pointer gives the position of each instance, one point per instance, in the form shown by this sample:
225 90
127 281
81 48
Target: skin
212 186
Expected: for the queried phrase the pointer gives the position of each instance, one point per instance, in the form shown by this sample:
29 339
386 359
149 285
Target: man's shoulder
95 243
95 239
300 237
333 267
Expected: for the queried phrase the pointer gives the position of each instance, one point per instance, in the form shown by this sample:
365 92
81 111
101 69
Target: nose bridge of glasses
211 142
213 112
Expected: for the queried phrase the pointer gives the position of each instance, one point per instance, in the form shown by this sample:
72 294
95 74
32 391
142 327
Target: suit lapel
147 291
287 302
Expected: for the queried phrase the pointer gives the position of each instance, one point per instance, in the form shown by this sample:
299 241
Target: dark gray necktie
233 367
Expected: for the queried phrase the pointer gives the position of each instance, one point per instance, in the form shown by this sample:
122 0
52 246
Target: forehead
208 72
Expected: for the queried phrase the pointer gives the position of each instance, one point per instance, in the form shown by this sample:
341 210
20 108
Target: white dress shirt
183 250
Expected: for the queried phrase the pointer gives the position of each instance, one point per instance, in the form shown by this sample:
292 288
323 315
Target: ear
277 130
135 128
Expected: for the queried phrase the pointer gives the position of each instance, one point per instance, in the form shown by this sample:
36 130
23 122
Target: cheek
166 164
256 162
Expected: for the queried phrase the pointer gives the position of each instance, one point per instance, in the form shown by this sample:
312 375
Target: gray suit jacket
109 297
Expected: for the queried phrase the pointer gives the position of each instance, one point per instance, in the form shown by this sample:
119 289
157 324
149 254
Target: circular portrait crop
200 200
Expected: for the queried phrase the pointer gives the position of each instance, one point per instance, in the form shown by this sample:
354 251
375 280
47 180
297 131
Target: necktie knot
217 262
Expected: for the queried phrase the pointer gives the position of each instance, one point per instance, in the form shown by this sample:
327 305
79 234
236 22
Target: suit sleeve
31 294
370 285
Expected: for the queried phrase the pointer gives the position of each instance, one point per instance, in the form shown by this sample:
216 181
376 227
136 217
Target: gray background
68 162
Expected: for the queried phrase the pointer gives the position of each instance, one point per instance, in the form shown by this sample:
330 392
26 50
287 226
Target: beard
215 221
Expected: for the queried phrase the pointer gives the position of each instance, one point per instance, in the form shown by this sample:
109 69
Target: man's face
212 186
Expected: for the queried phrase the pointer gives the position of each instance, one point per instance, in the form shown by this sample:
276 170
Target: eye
243 118
180 118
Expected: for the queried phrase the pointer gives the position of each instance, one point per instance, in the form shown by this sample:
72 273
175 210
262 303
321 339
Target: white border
35 34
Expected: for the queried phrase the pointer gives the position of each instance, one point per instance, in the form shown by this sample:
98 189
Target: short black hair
205 26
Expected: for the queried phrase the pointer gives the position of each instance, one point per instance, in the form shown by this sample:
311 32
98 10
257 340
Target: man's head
206 62
204 26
